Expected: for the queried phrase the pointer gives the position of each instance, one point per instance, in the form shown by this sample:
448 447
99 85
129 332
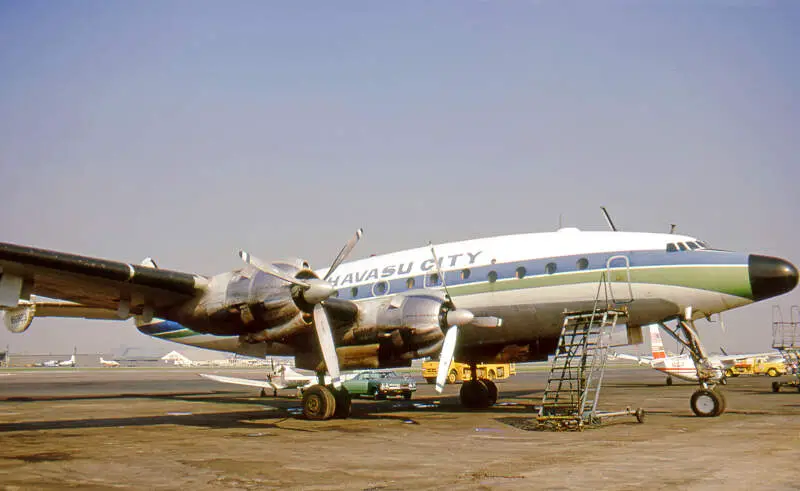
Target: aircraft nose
770 276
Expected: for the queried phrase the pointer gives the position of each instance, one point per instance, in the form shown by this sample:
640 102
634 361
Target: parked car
380 385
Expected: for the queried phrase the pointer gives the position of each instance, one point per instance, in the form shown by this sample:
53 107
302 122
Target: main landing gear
707 401
321 402
478 393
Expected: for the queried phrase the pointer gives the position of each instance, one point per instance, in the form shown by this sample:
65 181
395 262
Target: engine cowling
19 318
409 326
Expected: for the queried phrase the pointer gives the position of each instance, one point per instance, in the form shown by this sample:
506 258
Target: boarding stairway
576 372
786 339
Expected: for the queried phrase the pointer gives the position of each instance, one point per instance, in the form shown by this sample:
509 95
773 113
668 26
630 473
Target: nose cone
770 276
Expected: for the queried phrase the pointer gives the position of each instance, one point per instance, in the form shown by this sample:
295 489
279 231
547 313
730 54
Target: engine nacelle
408 326
19 318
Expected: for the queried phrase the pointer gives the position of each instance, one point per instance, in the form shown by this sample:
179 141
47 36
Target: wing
96 282
242 381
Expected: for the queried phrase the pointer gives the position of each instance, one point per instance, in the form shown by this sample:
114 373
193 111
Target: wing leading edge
96 282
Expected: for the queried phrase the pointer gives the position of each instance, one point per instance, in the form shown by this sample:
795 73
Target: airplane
288 379
108 363
683 366
494 299
57 363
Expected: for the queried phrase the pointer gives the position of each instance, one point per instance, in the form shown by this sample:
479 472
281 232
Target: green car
380 385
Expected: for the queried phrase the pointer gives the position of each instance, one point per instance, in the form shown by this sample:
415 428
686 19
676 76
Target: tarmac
171 429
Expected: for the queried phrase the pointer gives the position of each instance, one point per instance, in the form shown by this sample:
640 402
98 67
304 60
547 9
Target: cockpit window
681 246
671 247
703 245
692 245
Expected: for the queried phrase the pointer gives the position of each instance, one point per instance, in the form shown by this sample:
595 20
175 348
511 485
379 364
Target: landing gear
322 402
319 403
669 381
707 401
478 393
474 394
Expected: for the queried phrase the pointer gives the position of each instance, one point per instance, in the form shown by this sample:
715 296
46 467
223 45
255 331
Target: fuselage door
618 275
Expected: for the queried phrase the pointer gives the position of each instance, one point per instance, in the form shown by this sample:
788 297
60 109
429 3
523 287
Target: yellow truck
757 366
460 372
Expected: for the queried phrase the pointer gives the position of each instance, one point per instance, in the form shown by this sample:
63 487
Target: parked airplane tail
656 344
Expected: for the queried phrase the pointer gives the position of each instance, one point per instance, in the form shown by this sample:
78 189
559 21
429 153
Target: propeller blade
446 357
441 276
488 321
270 269
344 253
325 338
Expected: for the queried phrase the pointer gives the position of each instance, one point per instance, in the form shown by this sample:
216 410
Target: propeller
454 318
315 291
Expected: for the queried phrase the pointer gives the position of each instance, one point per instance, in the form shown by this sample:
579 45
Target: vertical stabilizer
656 344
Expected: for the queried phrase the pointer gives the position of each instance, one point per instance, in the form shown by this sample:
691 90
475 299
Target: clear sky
185 130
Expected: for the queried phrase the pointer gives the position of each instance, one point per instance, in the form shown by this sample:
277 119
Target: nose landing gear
708 400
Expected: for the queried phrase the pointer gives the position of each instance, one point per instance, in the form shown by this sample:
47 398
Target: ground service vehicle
380 385
757 366
459 372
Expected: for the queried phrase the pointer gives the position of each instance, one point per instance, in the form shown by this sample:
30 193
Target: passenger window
682 246
520 273
380 288
465 273
692 245
410 283
354 291
492 276
335 293
433 279
671 248
551 268
582 263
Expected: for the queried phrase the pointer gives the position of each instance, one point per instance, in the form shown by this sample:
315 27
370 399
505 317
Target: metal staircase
576 373
786 339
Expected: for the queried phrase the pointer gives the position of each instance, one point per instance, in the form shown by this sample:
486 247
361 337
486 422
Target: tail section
656 344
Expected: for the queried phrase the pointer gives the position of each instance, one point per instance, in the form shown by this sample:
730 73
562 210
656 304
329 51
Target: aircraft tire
474 395
669 381
776 387
344 403
319 403
491 387
707 403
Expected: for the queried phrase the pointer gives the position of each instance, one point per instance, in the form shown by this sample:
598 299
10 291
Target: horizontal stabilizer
264 384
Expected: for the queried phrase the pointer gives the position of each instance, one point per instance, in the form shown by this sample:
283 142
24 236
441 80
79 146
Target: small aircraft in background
108 363
283 377
682 366
57 363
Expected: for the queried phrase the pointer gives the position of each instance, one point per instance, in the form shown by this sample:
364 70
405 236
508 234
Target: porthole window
492 276
465 273
410 283
335 293
380 288
582 263
671 248
354 292
682 246
550 268
520 273
433 279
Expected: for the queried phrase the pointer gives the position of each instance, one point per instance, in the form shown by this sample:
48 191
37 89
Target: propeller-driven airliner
495 299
